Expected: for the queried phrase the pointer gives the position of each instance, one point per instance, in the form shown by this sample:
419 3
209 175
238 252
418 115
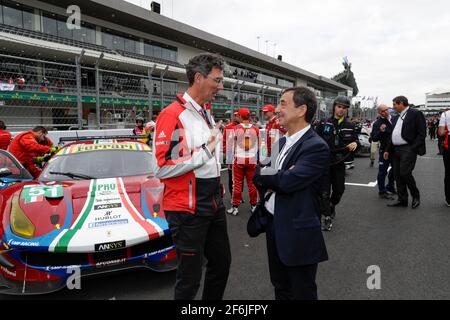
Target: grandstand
124 61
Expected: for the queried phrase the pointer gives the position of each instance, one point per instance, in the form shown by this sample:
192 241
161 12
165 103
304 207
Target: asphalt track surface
410 247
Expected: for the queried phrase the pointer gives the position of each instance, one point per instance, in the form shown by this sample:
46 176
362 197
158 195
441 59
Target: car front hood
92 216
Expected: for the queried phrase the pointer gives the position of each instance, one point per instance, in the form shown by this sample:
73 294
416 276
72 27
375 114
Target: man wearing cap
228 148
245 159
274 131
341 137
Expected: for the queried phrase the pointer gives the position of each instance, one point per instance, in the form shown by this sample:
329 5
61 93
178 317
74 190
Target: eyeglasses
216 80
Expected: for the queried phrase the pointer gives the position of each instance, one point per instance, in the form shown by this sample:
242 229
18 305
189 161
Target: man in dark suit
407 141
292 187
381 132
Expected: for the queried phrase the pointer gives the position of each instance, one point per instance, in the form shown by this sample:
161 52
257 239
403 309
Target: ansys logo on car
108 215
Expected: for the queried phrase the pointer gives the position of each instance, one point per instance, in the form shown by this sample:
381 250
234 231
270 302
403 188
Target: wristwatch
207 151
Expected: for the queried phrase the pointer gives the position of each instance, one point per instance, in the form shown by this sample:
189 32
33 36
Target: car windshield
97 164
7 162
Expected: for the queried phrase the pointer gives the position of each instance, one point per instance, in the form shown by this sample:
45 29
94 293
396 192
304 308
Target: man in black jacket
407 141
340 135
381 132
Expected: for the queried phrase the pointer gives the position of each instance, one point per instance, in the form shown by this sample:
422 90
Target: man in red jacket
31 144
5 136
274 131
186 159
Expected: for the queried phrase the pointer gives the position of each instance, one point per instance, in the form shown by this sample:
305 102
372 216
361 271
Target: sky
399 47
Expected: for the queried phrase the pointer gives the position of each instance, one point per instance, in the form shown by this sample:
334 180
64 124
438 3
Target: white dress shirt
209 119
397 139
290 141
443 121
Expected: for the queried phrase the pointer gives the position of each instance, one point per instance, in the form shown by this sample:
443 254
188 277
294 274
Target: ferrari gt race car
95 208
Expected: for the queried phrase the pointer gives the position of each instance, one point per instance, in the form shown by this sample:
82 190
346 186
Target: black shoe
333 212
371 163
398 204
327 224
385 195
415 203
391 192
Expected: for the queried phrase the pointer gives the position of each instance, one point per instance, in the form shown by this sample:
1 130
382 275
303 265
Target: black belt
401 145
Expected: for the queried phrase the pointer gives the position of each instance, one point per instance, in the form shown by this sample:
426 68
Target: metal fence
64 96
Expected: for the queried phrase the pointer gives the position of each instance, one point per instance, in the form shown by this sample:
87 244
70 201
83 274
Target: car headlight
20 224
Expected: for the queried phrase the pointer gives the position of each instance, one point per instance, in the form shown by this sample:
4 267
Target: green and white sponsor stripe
61 243
108 215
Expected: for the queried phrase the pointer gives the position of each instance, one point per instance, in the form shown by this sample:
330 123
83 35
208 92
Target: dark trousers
441 145
333 188
194 237
290 283
447 174
230 181
404 161
383 168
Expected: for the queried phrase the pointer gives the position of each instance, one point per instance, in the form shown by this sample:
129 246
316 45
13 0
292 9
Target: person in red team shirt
274 131
228 148
28 145
5 136
245 159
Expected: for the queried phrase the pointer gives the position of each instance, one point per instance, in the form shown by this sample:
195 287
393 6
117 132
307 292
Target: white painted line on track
369 185
430 158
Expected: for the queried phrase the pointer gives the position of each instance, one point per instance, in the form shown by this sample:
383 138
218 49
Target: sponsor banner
127 146
7 87
54 97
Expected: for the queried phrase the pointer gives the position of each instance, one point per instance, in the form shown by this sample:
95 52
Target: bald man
381 131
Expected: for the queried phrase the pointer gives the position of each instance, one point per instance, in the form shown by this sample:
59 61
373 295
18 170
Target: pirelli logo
107 206
110 246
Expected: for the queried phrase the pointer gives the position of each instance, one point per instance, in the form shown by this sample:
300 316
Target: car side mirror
4 172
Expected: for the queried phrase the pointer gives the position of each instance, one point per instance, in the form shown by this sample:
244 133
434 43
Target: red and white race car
95 208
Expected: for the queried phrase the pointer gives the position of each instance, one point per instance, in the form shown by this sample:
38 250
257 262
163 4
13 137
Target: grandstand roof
125 13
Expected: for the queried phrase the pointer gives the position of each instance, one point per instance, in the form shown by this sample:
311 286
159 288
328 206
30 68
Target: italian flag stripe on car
63 242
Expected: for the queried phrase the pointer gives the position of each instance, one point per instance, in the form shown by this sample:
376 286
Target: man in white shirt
407 142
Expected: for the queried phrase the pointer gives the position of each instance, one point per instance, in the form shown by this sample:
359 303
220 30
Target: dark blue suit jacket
414 131
298 188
